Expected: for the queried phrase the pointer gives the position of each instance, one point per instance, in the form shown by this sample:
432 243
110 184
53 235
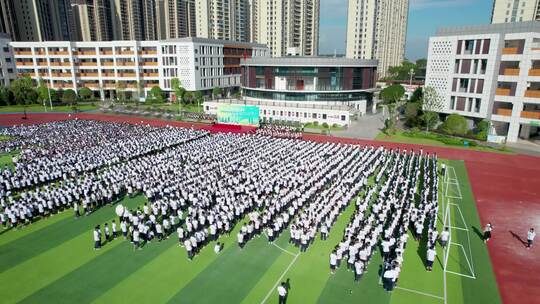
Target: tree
179 91
392 94
188 97
417 95
43 92
411 114
431 104
156 95
454 125
85 93
199 96
402 72
6 97
120 91
70 97
216 92
22 89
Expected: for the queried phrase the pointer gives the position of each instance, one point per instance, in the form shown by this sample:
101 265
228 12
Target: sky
425 16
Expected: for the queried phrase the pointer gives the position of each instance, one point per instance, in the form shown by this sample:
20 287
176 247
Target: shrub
454 125
325 125
335 126
315 123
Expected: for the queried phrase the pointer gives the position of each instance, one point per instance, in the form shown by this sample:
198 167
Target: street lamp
411 73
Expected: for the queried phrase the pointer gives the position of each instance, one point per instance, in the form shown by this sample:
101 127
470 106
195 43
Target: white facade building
137 66
306 89
489 72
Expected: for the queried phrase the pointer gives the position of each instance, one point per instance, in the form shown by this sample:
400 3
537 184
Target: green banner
238 114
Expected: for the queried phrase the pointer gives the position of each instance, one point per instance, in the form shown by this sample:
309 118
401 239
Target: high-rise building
376 29
8 23
134 19
505 11
223 19
43 20
177 19
286 26
84 15
103 18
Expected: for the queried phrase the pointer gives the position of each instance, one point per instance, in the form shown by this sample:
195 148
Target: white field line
281 248
280 278
461 274
465 254
420 292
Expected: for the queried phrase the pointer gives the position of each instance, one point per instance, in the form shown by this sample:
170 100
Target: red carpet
225 128
506 189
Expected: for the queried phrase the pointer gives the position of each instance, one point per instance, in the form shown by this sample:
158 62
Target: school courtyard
52 261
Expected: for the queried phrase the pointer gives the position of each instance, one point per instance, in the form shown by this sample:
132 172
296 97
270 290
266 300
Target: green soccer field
52 261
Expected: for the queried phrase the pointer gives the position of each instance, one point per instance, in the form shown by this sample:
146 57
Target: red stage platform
225 128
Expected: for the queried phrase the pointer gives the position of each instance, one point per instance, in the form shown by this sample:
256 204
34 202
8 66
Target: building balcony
127 75
510 51
534 72
58 53
125 53
23 52
88 75
125 63
91 85
149 74
109 74
109 85
151 84
24 63
88 63
530 114
131 86
62 85
107 63
532 93
106 52
61 74
511 72
148 52
43 74
42 53
42 63
504 112
502 92
85 53
149 63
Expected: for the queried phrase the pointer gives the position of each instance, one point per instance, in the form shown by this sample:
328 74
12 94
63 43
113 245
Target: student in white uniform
97 238
282 292
431 253
217 248
444 237
530 237
333 262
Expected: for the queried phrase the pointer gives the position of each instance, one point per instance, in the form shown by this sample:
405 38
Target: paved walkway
366 127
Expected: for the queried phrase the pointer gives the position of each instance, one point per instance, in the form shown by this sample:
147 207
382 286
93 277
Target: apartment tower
286 26
223 19
177 18
376 29
505 11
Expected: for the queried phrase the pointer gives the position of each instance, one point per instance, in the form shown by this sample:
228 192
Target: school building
489 72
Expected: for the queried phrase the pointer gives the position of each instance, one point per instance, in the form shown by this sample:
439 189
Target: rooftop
310 61
501 28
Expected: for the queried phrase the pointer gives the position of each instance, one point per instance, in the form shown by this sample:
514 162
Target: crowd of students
78 164
200 186
279 131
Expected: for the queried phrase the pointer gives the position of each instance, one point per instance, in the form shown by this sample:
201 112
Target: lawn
6 159
174 107
52 261
41 109
400 137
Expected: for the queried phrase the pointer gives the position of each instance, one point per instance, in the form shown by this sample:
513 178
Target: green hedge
452 141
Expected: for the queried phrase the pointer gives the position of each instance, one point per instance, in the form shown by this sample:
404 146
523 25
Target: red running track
506 189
